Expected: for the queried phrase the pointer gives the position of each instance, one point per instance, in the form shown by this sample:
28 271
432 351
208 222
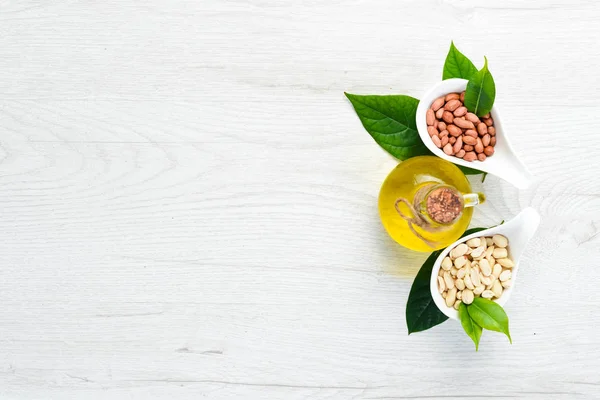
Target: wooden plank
189 201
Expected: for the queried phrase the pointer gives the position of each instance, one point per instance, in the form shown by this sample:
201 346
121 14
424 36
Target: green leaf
471 328
391 121
483 177
489 315
481 92
472 230
421 311
469 171
457 65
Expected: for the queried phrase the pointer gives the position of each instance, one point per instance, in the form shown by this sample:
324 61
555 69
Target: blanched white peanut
460 262
478 267
497 270
485 267
483 242
467 296
500 252
468 282
486 280
441 284
447 263
448 280
478 252
475 277
505 275
459 250
497 289
505 262
451 297
500 240
475 242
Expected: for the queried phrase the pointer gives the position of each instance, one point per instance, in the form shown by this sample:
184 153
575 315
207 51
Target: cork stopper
444 205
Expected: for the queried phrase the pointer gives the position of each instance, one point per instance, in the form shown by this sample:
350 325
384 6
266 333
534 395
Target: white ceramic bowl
518 230
504 163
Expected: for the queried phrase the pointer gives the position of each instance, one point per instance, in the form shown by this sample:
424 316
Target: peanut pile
479 267
458 132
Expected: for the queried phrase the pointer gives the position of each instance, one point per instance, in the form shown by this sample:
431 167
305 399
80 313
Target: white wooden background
188 202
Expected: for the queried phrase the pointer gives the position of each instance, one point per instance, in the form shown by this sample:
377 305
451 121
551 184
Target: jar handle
473 199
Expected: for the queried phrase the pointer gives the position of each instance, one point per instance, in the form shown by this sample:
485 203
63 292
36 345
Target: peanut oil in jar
425 203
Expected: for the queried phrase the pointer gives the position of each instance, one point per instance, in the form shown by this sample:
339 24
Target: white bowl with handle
504 163
518 231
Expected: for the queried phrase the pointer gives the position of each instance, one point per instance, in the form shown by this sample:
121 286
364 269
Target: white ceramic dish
518 230
504 163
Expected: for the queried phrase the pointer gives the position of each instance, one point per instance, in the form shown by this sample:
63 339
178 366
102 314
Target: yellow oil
404 181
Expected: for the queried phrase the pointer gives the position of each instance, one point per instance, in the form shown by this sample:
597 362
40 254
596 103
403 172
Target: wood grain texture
189 201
